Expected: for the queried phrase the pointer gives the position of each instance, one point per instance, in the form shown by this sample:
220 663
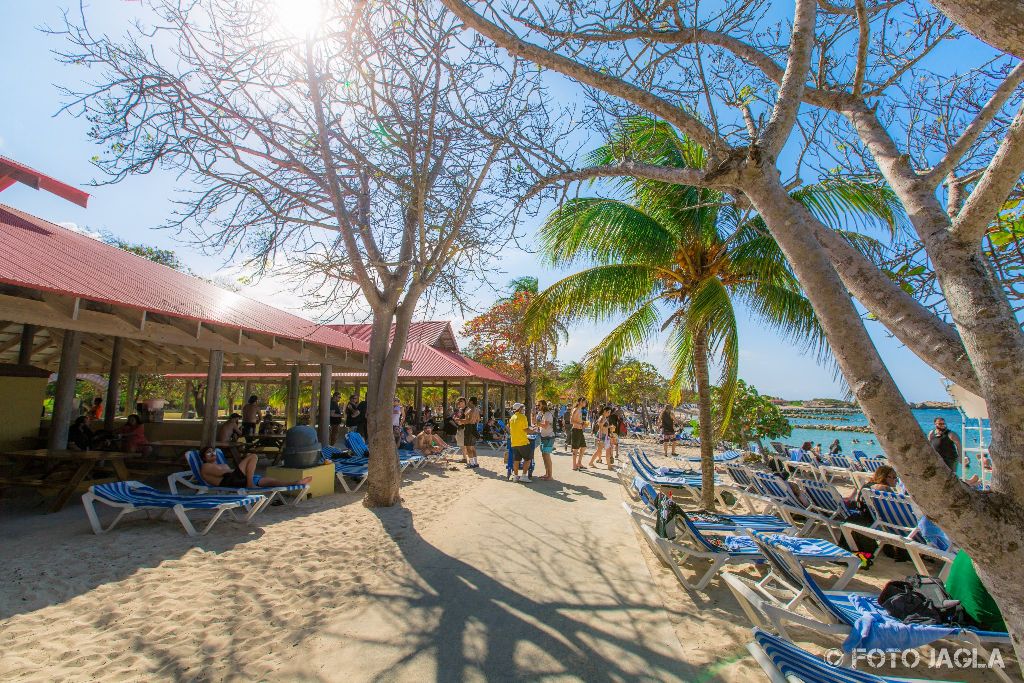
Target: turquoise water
867 442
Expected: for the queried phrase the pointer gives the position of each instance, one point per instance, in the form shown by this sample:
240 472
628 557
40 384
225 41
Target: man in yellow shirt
522 447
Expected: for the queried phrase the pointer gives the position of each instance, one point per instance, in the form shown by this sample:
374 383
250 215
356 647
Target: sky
32 132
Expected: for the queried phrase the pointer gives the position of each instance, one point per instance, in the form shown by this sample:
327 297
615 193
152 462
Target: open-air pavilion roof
58 279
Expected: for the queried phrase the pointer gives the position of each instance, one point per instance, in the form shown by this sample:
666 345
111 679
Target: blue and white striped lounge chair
784 662
838 466
720 458
727 550
647 495
134 496
688 484
667 471
361 452
896 524
835 608
826 500
347 468
784 501
193 479
802 462
871 464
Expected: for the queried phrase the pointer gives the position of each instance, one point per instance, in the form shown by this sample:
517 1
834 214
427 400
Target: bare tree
739 85
375 153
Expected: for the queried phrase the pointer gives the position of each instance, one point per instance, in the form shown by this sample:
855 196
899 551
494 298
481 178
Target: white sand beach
473 578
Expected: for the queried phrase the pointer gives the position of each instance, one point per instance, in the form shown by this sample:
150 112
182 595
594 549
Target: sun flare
298 17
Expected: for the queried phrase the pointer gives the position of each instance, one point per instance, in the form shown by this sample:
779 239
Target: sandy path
523 581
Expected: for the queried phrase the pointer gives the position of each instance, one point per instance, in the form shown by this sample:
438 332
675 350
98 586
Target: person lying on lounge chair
427 442
216 474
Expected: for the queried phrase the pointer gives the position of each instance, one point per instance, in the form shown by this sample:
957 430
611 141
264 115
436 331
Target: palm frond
604 231
598 294
635 331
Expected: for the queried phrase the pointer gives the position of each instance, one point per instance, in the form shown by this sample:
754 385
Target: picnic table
51 471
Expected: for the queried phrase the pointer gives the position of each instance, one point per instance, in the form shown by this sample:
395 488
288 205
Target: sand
473 578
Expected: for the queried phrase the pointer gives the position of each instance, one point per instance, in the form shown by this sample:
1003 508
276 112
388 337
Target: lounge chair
361 452
836 609
719 458
784 662
784 501
896 524
838 466
193 479
727 550
647 495
826 500
134 496
690 484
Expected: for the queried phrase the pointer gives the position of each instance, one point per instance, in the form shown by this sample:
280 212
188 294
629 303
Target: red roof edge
11 171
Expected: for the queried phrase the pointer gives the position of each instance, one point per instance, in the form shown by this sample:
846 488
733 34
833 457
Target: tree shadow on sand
473 624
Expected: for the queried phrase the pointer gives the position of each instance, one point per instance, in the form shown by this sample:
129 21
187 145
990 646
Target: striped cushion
803 666
138 494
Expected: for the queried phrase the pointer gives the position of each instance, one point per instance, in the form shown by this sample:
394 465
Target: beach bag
921 600
622 427
667 511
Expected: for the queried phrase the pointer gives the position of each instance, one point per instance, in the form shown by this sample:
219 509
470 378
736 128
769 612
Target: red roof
436 333
11 172
40 255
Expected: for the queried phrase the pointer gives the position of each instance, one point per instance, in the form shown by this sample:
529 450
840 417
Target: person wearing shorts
522 447
668 430
545 423
577 440
469 422
604 442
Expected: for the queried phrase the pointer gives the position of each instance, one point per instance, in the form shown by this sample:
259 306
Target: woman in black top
668 430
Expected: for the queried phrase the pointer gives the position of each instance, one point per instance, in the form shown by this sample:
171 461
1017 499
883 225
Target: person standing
577 440
397 417
835 448
522 449
604 444
545 423
946 443
469 427
250 417
96 411
353 413
668 430
335 417
460 434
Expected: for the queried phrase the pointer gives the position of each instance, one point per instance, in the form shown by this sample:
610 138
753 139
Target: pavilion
71 304
435 360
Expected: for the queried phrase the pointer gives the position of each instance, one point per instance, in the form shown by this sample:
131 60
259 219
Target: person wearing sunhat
522 449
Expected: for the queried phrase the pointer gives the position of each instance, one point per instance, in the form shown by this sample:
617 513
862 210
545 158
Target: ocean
851 441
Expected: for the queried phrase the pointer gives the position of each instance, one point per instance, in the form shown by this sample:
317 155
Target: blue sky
31 133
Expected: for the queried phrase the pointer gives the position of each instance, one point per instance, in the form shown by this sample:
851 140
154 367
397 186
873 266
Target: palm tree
677 258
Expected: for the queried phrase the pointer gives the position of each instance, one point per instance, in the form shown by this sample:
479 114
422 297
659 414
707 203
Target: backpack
922 600
667 511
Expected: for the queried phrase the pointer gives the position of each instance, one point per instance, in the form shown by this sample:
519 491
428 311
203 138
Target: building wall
23 408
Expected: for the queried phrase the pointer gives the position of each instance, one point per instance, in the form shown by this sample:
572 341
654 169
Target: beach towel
876 629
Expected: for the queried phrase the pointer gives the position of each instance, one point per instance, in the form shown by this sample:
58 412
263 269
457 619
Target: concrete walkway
539 581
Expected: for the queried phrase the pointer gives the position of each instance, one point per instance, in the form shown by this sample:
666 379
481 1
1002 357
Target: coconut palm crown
677 258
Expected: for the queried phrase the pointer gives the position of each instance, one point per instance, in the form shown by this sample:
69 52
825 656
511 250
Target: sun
299 18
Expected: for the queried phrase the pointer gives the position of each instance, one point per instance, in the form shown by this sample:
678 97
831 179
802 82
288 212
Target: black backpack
922 600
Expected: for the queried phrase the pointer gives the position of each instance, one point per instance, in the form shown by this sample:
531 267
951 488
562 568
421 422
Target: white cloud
75 227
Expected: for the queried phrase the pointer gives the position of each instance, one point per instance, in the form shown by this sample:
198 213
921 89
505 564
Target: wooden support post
28 334
486 405
502 410
64 393
213 380
464 392
359 388
325 404
113 385
444 399
292 407
246 391
133 383
418 402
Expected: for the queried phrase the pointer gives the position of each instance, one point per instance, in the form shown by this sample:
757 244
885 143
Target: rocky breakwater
860 429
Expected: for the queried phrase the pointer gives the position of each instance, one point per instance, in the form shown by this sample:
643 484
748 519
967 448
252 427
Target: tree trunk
707 429
383 487
990 527
992 21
